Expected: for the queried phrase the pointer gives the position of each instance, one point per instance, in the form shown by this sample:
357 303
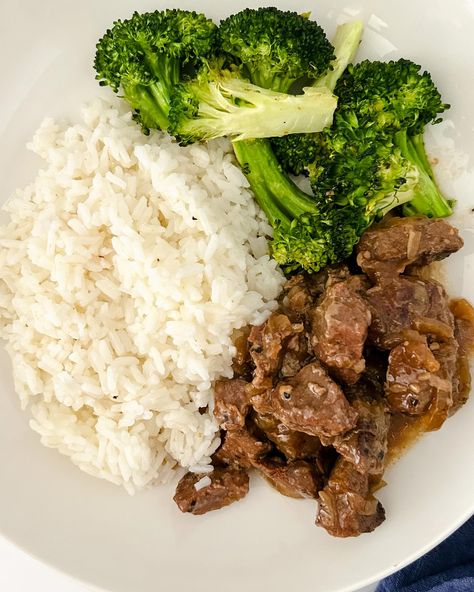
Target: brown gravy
405 430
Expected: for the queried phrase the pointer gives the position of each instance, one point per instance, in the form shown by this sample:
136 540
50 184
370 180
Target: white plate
96 532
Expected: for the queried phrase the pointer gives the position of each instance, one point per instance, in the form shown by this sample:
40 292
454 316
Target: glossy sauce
405 430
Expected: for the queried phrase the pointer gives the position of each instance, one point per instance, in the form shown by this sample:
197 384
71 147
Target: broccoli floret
391 96
298 151
382 111
144 58
373 156
276 48
218 103
346 42
305 235
427 199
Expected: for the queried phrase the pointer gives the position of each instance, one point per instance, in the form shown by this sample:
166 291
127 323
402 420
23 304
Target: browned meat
412 377
231 403
388 248
408 303
241 448
464 332
227 486
365 445
461 383
298 296
309 402
294 445
268 345
301 291
296 478
446 354
296 355
463 313
346 505
339 326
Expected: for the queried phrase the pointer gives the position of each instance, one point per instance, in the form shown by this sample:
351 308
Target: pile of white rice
125 268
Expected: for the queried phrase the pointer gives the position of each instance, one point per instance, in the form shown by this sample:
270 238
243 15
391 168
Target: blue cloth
449 567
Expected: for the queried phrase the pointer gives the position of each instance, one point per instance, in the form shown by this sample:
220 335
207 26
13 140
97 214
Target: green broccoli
218 103
305 236
373 156
276 48
391 96
145 56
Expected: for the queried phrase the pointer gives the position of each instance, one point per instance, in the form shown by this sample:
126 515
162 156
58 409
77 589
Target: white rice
125 268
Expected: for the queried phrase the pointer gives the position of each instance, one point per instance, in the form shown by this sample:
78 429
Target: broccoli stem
275 192
419 145
151 102
428 199
346 42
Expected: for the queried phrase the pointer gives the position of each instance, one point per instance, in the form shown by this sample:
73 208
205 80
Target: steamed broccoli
276 48
306 235
373 156
219 103
144 58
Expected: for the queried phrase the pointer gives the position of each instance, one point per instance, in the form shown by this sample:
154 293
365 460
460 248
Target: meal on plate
230 266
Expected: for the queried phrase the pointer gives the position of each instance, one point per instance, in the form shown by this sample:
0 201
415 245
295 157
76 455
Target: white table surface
21 573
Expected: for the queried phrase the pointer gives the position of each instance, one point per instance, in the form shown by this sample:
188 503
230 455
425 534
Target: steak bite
388 248
365 445
346 505
231 403
446 354
309 402
241 448
268 345
296 478
412 377
408 303
296 355
464 333
298 296
227 486
293 445
339 326
303 290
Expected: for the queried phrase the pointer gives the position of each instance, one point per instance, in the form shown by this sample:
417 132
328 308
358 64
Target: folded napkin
449 567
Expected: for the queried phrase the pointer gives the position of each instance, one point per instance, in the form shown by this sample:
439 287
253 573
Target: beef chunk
339 326
295 356
232 403
388 248
302 291
461 383
298 297
464 333
463 313
227 486
412 378
268 345
241 448
408 303
446 354
296 478
309 402
346 505
294 445
365 445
